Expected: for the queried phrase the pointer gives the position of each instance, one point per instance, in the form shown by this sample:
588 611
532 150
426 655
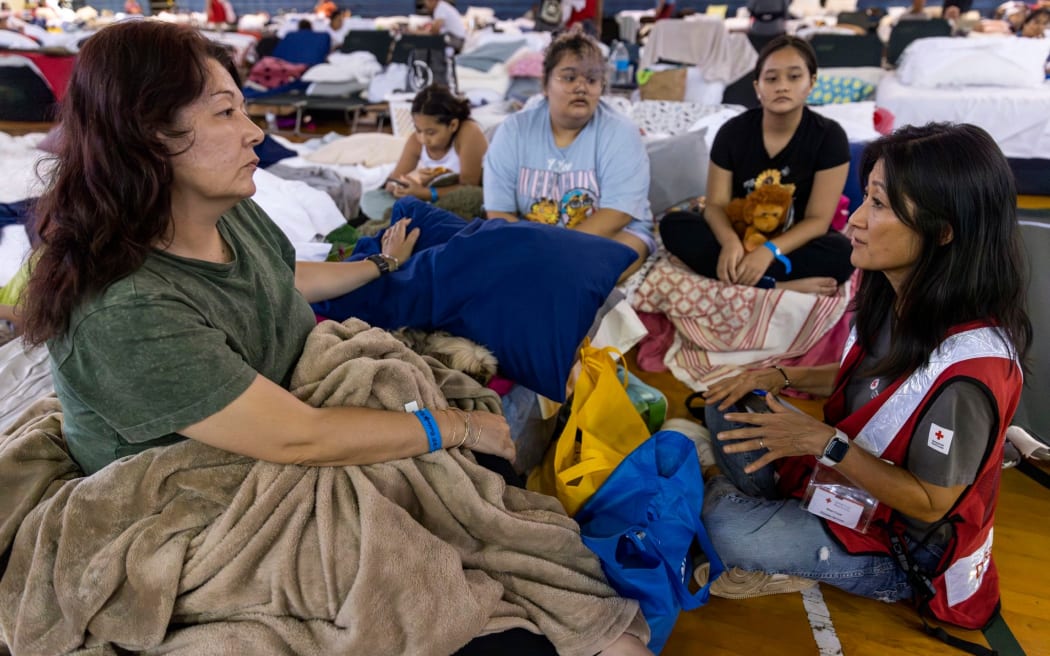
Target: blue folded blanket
527 291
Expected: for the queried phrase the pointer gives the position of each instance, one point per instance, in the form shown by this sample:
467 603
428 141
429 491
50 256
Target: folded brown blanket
187 549
356 365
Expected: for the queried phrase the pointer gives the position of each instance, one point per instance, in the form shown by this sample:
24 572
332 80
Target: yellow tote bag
603 427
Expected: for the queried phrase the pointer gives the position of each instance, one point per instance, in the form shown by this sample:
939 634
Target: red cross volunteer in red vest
894 496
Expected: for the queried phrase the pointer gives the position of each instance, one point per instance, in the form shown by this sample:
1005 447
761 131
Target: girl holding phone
446 142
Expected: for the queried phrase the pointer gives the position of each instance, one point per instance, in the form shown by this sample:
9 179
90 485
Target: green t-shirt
178 340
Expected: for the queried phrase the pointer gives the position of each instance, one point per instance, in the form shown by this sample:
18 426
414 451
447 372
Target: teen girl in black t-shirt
782 141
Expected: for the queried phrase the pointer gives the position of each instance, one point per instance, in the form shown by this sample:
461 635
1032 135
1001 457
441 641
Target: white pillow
856 118
360 65
344 67
328 73
948 62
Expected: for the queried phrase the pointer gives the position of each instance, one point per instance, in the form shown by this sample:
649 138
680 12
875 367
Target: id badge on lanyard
837 499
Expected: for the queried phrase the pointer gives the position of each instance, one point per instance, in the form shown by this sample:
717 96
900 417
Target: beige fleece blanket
187 549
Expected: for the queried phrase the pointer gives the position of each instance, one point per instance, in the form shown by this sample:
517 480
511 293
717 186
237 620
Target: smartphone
754 402
444 179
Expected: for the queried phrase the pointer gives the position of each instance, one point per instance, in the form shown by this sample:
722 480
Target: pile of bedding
342 75
721 328
493 65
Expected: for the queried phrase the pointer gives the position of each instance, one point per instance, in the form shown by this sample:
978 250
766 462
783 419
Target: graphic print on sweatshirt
562 198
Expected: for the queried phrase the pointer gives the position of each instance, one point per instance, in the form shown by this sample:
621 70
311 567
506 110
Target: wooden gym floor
781 624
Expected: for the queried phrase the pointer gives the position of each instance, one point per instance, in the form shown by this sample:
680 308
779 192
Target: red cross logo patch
940 438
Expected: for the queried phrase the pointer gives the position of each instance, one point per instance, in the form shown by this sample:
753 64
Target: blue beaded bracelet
433 194
783 259
431 428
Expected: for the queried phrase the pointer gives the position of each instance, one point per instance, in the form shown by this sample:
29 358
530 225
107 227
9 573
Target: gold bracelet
467 428
476 437
452 430
466 425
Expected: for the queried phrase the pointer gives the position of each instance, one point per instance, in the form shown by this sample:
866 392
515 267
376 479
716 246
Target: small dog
457 353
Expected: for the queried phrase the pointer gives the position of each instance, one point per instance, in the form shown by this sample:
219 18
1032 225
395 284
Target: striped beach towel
721 328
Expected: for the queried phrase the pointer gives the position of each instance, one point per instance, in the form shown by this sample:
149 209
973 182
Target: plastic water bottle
621 65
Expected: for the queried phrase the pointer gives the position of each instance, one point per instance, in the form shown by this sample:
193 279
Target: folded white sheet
303 214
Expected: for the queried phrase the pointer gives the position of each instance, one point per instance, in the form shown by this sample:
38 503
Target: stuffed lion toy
762 214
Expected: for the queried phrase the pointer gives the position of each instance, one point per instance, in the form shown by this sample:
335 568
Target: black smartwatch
836 449
379 261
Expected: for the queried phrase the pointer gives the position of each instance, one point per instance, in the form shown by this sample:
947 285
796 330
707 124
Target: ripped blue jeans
753 529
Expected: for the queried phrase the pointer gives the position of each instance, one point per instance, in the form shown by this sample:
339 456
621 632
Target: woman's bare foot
627 645
819 286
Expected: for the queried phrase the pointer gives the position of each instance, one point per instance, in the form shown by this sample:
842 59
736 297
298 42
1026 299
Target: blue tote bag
643 523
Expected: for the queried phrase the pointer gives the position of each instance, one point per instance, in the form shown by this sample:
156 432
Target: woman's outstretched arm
267 422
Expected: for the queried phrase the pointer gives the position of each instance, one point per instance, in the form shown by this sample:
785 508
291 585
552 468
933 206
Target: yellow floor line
1033 202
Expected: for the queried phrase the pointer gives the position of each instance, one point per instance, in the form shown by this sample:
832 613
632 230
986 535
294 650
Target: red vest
967 584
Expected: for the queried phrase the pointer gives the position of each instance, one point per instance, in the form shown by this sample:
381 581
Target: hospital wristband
431 428
779 255
433 194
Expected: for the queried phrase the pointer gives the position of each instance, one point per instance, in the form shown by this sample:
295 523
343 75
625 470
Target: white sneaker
700 436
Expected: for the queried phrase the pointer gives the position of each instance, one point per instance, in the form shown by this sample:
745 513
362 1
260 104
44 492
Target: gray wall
1034 413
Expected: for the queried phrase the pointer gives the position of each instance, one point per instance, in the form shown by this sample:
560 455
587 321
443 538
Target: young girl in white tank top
450 161
445 138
